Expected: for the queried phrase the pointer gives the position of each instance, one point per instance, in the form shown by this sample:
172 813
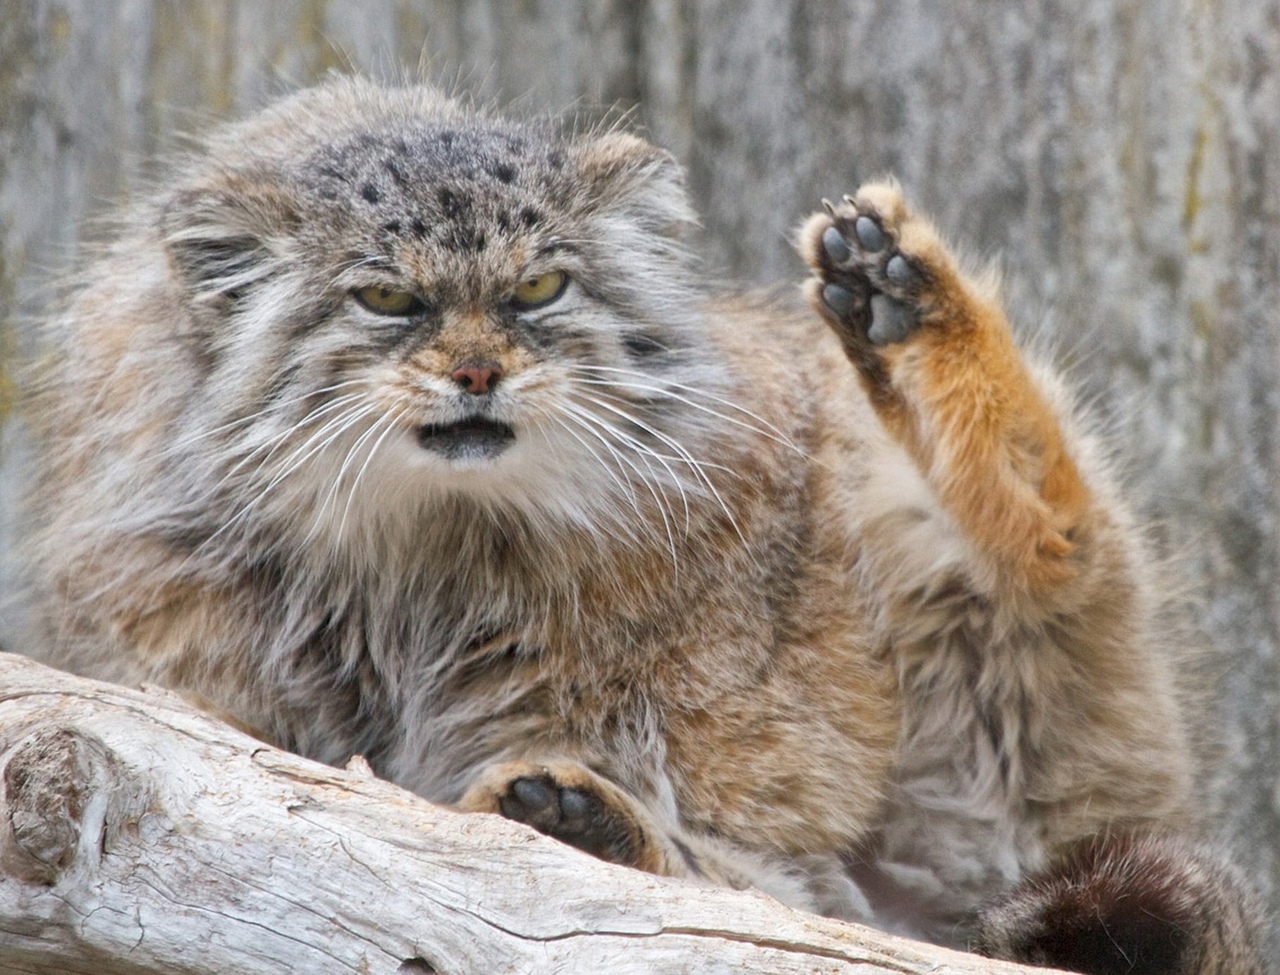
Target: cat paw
876 266
568 802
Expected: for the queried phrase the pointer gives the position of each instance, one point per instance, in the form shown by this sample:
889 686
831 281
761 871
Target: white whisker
593 425
624 486
275 442
298 457
765 428
684 455
332 494
391 421
641 447
265 411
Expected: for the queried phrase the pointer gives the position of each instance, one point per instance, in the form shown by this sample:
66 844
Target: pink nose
477 377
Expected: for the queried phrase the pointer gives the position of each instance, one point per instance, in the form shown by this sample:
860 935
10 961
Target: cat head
397 299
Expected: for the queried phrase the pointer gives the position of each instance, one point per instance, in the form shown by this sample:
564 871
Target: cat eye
539 290
388 301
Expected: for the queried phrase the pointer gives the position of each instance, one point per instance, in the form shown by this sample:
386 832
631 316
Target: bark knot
50 781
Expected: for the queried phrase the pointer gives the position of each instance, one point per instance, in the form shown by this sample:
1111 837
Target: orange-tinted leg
938 361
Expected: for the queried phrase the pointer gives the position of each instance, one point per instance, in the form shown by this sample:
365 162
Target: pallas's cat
395 428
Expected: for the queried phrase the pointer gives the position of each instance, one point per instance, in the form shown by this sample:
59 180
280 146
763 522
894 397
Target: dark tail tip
1129 905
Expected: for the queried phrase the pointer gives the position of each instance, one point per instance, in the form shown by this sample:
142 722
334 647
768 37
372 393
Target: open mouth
475 438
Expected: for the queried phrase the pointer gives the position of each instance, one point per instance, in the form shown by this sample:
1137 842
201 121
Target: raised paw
876 266
569 802
942 371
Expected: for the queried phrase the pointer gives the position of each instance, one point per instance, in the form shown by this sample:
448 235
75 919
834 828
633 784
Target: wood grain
138 835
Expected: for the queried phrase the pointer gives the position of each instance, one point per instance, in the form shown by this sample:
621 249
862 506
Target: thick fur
877 638
1126 905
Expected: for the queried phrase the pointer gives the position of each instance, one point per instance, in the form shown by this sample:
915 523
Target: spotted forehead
444 185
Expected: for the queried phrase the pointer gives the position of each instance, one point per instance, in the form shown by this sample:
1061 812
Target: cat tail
1130 904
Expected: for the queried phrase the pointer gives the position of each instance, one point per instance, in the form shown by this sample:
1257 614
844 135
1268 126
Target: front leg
938 361
566 800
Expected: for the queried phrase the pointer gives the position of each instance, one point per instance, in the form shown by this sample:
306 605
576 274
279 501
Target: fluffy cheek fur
323 405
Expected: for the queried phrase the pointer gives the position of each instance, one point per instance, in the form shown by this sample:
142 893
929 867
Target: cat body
399 430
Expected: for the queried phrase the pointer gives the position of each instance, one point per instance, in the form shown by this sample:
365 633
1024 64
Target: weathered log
138 835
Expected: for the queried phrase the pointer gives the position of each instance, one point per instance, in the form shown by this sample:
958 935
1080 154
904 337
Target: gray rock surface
1120 157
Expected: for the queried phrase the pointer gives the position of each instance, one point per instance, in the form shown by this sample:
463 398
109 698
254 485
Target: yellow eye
539 290
385 301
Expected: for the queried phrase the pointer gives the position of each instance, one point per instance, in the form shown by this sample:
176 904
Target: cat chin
452 457
468 441
550 482
493 466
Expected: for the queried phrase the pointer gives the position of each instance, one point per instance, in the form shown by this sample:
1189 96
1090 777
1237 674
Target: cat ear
627 175
223 237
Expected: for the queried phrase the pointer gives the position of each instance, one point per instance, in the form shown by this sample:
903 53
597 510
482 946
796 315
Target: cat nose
477 377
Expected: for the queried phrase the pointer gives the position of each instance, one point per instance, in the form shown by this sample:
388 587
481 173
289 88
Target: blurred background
1120 158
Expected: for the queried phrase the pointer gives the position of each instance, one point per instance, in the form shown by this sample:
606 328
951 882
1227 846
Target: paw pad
573 815
839 300
867 283
836 247
891 321
869 234
898 271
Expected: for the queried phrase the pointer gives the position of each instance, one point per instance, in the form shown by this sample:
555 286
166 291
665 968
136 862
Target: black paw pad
899 272
891 321
870 234
870 287
532 801
840 300
836 246
575 816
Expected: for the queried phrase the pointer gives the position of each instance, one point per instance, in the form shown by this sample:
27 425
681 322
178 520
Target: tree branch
138 835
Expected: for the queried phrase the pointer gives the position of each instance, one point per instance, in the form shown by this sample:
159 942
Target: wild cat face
397 299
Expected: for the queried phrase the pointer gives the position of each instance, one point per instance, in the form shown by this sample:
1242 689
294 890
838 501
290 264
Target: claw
849 200
829 206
